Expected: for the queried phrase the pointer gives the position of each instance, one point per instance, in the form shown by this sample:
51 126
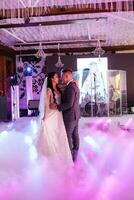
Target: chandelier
20 63
98 51
40 53
59 63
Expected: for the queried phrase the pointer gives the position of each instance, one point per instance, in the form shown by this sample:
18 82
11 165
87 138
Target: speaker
5 109
33 104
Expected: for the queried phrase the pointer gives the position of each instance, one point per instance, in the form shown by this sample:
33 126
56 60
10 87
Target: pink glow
103 171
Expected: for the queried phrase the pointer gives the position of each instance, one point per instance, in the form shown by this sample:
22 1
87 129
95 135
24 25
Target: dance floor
104 169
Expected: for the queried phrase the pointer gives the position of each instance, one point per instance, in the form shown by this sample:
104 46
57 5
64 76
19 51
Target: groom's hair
67 70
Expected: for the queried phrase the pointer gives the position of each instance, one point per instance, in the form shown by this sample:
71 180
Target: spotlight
14 80
28 69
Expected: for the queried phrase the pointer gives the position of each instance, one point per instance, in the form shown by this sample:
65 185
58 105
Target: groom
71 111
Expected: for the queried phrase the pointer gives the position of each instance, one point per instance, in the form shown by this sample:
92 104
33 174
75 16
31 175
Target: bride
52 140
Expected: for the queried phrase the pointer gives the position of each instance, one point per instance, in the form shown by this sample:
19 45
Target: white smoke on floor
104 170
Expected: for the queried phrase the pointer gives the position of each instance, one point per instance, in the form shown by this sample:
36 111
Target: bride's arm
47 100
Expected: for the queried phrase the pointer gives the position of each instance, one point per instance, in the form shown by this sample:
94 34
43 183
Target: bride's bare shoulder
49 91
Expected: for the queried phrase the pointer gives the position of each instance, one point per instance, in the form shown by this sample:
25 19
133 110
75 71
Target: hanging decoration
98 51
59 64
40 53
20 64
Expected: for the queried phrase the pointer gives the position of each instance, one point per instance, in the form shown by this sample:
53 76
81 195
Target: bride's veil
43 97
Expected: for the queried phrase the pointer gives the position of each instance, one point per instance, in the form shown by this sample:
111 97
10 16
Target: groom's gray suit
71 114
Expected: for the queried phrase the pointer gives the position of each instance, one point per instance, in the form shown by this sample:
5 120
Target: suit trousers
73 137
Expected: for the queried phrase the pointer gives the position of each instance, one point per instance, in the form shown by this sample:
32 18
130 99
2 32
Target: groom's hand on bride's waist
53 106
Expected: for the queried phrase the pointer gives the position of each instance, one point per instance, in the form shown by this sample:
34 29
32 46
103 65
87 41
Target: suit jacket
70 103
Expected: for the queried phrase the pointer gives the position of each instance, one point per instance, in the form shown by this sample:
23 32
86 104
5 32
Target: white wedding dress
52 140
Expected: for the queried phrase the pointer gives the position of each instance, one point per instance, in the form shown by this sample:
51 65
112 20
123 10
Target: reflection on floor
104 170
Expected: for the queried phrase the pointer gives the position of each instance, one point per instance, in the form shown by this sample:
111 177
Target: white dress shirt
69 82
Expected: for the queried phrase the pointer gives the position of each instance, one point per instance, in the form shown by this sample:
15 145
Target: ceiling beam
63 10
52 23
36 2
13 35
6 50
47 43
120 18
21 1
79 50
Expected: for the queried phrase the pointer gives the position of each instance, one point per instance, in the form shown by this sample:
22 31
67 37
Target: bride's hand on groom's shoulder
76 82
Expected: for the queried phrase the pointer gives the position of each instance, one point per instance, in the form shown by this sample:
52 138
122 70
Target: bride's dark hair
50 84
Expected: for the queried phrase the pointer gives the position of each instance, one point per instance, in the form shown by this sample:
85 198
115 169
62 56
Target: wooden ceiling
67 10
67 25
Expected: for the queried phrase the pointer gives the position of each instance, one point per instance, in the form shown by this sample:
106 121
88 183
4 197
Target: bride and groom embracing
58 138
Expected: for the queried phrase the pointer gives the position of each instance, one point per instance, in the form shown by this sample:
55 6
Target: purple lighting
29 69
